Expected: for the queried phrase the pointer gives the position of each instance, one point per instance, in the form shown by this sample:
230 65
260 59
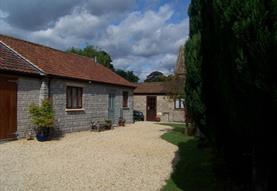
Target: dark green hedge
231 89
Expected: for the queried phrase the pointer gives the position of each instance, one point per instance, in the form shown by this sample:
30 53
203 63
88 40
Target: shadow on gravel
56 134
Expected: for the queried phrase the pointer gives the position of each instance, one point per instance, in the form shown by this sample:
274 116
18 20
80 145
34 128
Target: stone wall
165 108
28 92
140 104
127 112
167 112
95 103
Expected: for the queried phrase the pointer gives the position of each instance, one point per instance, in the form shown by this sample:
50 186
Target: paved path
127 158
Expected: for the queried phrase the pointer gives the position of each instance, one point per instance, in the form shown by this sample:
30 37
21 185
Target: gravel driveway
127 158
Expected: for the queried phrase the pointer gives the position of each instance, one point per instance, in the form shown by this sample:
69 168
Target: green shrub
42 116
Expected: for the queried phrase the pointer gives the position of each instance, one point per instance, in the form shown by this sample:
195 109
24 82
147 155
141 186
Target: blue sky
140 35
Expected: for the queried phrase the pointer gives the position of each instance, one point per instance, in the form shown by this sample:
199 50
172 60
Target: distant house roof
23 56
152 88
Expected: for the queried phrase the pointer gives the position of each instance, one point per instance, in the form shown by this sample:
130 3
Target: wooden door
151 108
8 91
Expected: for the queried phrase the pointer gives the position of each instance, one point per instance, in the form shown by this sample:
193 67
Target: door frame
13 80
147 118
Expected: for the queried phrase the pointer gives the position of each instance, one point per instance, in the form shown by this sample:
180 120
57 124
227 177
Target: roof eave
14 72
95 81
150 93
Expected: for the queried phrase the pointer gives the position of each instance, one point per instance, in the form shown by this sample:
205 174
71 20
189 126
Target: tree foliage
193 60
231 82
158 76
101 56
128 75
155 76
105 59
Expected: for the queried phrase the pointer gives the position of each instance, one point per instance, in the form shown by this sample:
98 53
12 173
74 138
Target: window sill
72 110
179 109
125 108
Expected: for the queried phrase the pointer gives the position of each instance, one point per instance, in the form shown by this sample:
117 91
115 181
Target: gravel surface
126 158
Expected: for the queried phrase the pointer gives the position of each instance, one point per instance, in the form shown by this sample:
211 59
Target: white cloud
72 30
41 14
3 14
145 34
150 39
136 26
139 41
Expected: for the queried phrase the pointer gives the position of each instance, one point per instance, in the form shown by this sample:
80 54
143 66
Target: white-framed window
179 104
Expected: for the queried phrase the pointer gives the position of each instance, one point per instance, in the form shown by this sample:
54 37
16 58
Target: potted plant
109 123
121 122
43 118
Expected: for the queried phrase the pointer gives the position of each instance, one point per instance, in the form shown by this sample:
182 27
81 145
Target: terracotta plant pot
121 123
158 119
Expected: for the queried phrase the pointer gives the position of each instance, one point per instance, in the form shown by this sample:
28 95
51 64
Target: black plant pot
42 138
43 134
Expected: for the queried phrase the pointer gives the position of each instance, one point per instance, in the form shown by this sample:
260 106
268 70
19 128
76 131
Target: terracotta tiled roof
58 63
10 61
152 88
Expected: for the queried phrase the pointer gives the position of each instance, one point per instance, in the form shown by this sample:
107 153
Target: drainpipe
121 113
49 88
44 90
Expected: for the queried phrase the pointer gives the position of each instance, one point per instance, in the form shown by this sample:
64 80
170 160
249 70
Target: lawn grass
194 170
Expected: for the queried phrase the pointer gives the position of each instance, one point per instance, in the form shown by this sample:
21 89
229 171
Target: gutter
87 80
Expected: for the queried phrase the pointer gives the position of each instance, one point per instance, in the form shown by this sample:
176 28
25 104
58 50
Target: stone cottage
162 99
80 89
154 100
